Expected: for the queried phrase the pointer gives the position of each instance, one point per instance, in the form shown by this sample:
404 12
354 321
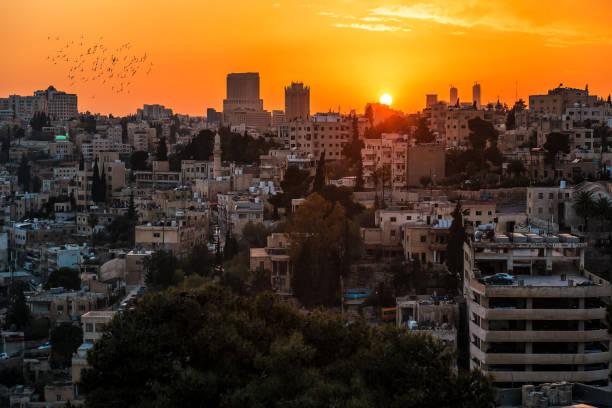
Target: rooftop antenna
515 91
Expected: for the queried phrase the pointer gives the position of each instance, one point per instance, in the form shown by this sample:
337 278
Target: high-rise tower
297 101
242 92
476 94
453 96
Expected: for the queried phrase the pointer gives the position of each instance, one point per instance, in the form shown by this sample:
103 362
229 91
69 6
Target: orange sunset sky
348 51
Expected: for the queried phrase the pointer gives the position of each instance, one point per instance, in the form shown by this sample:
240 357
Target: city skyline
349 53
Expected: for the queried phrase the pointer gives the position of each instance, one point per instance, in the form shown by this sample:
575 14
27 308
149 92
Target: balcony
553 336
542 314
534 358
548 376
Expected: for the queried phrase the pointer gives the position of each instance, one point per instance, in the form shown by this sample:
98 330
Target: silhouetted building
453 96
476 94
297 101
432 99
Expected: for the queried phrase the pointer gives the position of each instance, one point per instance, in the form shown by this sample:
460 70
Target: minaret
217 157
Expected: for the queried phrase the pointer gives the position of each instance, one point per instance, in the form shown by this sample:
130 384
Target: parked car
46 346
4 356
500 279
587 283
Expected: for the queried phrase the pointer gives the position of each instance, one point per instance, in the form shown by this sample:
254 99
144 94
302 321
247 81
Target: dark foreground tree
211 348
454 251
66 278
65 339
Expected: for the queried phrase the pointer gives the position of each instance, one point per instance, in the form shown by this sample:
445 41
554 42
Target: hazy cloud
371 27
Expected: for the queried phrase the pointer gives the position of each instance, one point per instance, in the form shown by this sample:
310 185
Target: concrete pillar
548 259
529 350
435 256
510 262
581 251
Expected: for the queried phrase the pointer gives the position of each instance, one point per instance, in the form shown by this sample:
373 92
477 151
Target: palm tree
584 205
603 208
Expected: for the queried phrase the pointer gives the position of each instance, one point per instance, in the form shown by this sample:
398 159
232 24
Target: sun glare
386 99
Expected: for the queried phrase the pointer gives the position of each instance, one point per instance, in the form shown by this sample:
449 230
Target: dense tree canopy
324 242
65 339
64 277
211 348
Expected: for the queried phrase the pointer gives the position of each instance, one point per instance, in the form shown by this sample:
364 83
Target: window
423 238
156 235
478 212
540 196
89 327
393 219
392 233
408 217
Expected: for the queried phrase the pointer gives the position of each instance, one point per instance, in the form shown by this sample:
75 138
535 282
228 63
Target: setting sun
386 99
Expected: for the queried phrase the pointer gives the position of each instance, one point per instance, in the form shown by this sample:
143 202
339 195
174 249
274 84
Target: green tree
66 278
138 161
319 179
481 132
231 246
160 269
603 209
423 134
359 182
199 261
585 207
4 151
454 250
556 143
23 173
95 183
65 339
260 352
18 312
324 242
255 234
162 150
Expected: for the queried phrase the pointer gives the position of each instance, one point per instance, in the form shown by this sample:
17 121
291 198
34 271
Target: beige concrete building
544 323
93 323
275 259
560 98
324 132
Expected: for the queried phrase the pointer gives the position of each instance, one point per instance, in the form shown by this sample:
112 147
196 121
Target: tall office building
297 101
60 105
476 94
453 96
242 92
432 99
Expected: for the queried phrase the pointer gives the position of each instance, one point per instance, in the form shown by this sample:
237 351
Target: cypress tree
102 192
95 183
319 180
454 250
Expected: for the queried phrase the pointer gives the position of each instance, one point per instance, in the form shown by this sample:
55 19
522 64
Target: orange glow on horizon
345 51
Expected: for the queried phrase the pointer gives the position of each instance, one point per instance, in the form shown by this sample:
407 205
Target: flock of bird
92 61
